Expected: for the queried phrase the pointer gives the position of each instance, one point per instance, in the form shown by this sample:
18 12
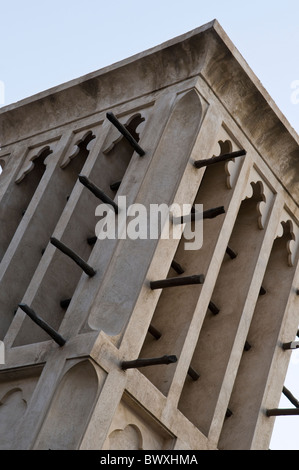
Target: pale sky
45 43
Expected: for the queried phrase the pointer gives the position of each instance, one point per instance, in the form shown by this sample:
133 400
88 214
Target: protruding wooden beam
283 412
67 251
92 240
98 192
208 214
213 308
291 345
262 291
290 397
124 131
154 332
65 303
221 158
193 374
115 186
231 253
177 267
47 328
148 362
177 281
212 213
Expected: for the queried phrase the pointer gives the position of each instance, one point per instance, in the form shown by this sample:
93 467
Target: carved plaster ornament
85 138
135 121
290 228
266 196
129 438
231 167
32 155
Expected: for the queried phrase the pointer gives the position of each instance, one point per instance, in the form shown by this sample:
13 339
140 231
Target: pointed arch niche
17 201
198 399
176 306
70 409
51 196
263 335
16 390
59 283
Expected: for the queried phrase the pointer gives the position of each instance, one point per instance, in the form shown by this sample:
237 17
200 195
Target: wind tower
141 343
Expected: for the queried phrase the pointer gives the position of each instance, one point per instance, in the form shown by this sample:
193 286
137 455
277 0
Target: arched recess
159 187
129 438
176 306
263 336
12 407
70 409
57 287
216 339
51 197
17 201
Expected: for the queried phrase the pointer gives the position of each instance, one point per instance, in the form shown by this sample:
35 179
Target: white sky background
45 43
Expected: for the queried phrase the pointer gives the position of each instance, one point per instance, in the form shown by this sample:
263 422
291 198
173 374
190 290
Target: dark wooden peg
247 346
193 216
148 362
193 374
92 240
231 253
177 281
67 251
291 345
283 412
98 192
221 158
228 413
213 308
65 303
177 267
47 328
124 131
290 397
212 213
262 291
154 332
115 186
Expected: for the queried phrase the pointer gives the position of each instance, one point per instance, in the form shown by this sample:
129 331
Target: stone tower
98 354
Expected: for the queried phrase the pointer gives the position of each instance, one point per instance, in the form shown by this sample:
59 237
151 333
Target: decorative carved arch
257 187
131 124
70 408
84 140
129 438
10 392
43 152
288 229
